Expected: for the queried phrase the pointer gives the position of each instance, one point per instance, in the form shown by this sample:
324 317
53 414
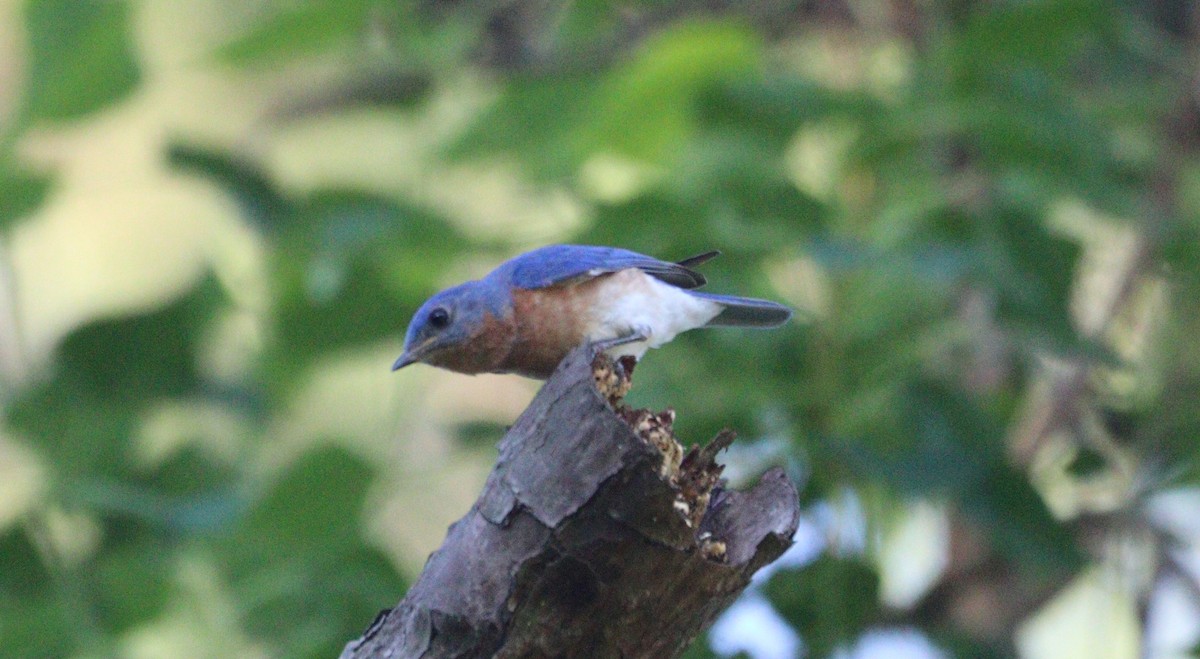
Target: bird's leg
635 335
625 363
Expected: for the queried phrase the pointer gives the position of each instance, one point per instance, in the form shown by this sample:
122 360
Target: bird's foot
622 365
639 333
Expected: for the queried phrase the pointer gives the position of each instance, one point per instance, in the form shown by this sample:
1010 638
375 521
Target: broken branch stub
595 535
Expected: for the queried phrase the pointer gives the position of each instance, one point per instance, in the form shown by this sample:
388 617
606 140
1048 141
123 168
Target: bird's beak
413 354
404 360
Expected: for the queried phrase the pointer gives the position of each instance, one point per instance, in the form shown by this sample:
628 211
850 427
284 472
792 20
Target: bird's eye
439 318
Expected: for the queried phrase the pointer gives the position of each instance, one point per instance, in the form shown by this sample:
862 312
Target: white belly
632 301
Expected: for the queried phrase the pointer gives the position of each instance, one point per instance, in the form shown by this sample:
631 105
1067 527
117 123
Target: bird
528 313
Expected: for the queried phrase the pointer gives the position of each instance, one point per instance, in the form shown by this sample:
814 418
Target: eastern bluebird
528 313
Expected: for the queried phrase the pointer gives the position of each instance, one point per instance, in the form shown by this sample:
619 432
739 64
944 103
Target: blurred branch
594 536
382 89
1069 385
518 35
981 593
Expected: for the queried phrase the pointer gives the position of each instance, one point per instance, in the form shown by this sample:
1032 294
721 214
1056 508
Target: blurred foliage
900 171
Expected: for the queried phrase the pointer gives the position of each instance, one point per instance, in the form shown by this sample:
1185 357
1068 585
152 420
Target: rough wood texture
582 543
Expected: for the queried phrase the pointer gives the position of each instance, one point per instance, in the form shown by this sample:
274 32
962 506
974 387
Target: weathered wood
582 543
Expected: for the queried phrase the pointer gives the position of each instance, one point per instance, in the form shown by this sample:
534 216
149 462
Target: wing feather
565 264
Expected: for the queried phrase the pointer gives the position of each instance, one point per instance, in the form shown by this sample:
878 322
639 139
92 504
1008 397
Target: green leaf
381 88
303 537
33 619
648 106
1087 462
142 356
189 492
79 436
317 500
261 203
931 441
296 29
479 434
80 58
643 108
556 105
130 582
773 107
831 601
21 193
106 372
1047 32
1021 527
1032 269
23 574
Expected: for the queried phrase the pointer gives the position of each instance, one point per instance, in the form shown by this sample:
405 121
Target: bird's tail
746 311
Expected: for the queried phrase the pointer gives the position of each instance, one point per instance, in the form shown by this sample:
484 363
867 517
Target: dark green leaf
107 372
260 202
21 193
35 616
303 537
1021 527
137 357
188 492
476 434
556 105
831 601
1033 270
1087 462
316 502
24 574
773 108
646 107
388 88
131 583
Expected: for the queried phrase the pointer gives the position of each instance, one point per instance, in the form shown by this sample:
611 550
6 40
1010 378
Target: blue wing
560 264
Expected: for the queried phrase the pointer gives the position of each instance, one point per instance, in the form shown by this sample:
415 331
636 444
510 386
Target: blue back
556 264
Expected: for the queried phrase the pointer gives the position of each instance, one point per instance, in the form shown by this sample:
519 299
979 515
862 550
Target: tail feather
698 259
746 311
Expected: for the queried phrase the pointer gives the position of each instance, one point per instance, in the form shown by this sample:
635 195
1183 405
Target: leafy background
216 218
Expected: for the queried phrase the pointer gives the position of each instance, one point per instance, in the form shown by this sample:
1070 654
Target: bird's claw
626 363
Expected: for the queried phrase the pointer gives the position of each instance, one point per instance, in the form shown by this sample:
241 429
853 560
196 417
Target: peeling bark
594 536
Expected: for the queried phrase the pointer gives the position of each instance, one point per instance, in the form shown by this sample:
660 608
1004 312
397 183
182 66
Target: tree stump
595 536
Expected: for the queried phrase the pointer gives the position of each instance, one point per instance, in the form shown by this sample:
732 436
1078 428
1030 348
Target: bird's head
453 329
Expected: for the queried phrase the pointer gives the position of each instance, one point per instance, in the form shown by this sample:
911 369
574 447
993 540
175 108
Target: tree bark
594 537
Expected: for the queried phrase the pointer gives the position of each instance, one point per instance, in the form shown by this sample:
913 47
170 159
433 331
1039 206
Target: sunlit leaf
646 106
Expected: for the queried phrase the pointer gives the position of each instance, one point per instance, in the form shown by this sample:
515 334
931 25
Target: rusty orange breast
549 322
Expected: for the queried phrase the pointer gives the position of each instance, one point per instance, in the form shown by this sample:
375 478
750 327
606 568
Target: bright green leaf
295 29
